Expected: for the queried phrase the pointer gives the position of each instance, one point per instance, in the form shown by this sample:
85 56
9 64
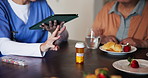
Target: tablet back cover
58 17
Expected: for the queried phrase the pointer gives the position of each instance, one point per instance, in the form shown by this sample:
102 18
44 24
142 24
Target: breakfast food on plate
127 48
117 48
108 46
133 63
111 46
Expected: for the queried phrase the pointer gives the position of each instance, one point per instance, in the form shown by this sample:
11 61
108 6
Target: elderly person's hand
49 44
135 42
105 39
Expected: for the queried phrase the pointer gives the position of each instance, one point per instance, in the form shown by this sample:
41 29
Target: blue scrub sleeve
4 26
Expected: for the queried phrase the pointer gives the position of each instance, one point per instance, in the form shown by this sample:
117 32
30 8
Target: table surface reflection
61 64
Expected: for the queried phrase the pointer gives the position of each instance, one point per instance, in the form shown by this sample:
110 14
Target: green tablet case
58 17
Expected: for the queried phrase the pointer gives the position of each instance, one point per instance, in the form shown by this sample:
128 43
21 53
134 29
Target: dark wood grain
62 64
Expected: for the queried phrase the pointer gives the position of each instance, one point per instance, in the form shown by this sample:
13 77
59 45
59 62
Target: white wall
86 9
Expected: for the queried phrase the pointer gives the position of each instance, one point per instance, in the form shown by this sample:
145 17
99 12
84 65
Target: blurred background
86 9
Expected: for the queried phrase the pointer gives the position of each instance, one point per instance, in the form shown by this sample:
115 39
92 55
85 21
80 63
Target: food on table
101 73
97 71
133 63
117 48
108 46
127 48
111 46
91 76
115 76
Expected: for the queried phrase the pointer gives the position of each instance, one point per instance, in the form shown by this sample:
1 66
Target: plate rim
118 53
127 71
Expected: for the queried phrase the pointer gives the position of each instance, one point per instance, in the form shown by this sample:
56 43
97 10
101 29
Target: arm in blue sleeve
5 30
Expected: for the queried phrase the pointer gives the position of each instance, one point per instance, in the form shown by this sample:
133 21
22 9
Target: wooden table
61 64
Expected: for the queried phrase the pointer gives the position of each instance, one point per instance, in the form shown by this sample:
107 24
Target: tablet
58 17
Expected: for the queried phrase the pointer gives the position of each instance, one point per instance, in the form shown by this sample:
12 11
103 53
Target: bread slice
117 48
112 46
108 46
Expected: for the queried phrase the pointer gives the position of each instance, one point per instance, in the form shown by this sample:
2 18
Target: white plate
123 65
133 49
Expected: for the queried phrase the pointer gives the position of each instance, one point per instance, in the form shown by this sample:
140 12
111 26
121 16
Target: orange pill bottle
79 52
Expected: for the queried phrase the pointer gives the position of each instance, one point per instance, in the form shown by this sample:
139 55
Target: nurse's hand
105 39
49 44
52 25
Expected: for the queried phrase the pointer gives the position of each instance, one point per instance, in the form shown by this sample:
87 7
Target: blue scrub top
9 22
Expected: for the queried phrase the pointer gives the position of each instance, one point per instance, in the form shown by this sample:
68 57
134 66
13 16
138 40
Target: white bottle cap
80 45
